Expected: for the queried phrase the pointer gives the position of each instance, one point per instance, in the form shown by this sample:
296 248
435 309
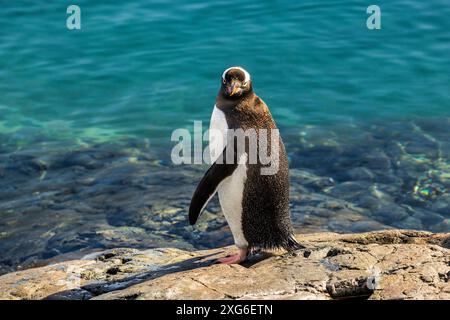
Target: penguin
255 206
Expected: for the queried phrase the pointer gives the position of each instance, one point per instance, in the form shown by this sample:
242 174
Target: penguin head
236 83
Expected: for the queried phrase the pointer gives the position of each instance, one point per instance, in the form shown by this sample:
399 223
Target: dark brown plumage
266 216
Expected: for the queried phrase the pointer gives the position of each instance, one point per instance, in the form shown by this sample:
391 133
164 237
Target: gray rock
411 223
359 174
376 159
367 225
443 226
442 205
390 213
348 190
427 217
322 183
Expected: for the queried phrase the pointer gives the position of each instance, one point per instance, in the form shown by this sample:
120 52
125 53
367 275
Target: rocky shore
392 264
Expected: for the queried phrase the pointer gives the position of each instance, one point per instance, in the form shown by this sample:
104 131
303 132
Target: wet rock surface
56 199
394 264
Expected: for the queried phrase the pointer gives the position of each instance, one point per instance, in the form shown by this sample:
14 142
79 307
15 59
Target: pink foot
235 258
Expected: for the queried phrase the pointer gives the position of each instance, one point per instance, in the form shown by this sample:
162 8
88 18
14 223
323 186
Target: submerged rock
390 212
442 205
376 160
359 174
390 264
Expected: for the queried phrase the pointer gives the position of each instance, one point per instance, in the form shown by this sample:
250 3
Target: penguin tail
293 245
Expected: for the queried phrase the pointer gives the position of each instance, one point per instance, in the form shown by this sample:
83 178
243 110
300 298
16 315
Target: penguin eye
224 81
244 83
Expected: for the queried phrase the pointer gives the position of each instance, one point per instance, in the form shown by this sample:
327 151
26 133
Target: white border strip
247 75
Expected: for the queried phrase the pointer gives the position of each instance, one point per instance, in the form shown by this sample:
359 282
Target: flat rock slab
393 264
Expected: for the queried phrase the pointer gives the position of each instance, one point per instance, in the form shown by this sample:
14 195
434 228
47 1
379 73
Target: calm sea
146 67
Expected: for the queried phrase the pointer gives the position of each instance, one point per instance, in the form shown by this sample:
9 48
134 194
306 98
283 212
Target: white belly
217 133
231 192
231 189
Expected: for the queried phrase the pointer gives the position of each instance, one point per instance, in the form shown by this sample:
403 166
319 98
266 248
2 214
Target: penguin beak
234 88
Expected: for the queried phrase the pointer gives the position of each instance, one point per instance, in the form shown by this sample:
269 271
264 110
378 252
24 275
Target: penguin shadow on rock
255 203
91 290
88 291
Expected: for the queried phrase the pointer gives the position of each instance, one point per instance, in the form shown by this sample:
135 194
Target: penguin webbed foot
235 258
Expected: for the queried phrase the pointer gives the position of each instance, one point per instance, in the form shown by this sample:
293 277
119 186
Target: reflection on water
69 195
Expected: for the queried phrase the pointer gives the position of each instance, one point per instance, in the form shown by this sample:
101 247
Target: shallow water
86 117
349 178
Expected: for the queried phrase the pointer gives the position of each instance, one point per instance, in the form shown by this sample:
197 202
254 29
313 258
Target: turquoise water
146 67
86 117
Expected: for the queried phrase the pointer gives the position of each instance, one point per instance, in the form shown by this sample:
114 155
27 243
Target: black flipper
209 184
